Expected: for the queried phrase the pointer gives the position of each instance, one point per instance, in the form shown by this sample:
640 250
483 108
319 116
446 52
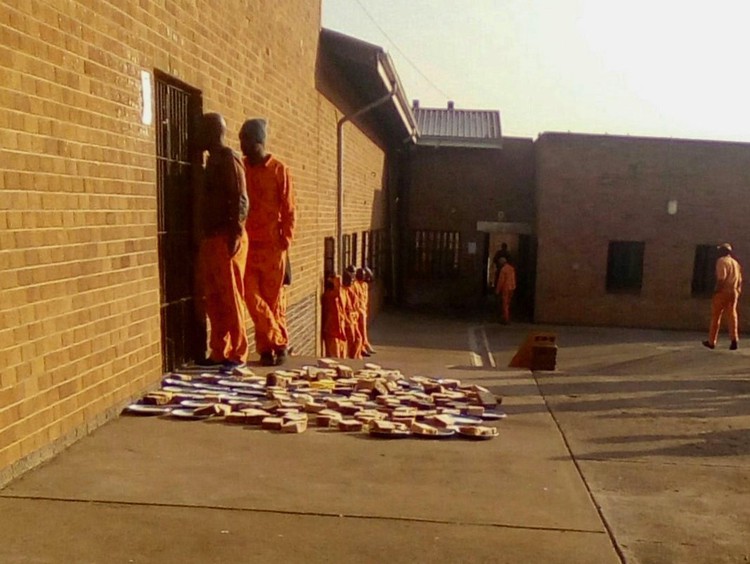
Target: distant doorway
521 248
178 107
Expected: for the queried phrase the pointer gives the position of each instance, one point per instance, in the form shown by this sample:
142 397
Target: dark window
353 250
366 255
347 252
704 270
375 242
329 255
435 254
625 266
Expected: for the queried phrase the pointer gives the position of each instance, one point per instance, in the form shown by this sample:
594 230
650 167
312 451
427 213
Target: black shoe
708 345
366 353
281 355
266 359
733 346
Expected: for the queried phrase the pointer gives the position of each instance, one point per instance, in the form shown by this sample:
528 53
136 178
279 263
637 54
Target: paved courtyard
636 449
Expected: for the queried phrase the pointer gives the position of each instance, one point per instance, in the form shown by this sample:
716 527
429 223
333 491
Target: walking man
726 295
506 285
223 245
270 229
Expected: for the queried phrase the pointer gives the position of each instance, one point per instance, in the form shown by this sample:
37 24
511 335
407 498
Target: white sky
664 68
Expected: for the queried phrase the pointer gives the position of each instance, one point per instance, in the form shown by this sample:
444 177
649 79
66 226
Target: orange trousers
354 342
334 347
362 327
724 302
264 278
220 282
505 298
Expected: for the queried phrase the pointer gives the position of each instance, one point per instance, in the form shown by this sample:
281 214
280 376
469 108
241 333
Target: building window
376 244
625 266
353 251
435 254
704 270
329 256
366 254
347 251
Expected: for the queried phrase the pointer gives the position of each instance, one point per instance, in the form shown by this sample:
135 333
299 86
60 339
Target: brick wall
454 188
595 189
79 283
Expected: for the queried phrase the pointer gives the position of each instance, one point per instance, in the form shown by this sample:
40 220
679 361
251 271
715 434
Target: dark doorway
178 107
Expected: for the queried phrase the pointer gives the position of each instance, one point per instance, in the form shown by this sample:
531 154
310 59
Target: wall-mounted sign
147 115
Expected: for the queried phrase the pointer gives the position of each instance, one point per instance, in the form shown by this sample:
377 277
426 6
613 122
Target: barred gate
435 254
177 109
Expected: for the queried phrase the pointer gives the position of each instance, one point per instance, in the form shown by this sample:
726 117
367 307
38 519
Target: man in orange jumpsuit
334 318
353 336
270 229
222 210
506 285
362 285
726 295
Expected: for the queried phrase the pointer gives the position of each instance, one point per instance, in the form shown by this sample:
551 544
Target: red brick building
466 190
603 230
627 226
98 100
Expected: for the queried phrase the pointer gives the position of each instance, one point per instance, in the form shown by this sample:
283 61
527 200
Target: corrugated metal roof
458 128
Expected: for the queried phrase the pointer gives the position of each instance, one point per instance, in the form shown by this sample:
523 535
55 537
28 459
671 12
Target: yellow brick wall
79 279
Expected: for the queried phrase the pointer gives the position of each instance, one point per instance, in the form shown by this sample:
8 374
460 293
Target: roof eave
431 141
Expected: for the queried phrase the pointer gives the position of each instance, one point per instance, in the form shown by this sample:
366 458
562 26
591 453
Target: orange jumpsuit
363 290
506 285
334 321
223 210
270 228
728 288
353 336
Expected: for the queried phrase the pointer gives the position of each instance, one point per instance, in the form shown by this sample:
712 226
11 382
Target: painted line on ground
474 357
488 351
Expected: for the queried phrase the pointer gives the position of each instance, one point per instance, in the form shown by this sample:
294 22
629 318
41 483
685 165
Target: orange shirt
506 281
363 294
271 217
352 302
728 274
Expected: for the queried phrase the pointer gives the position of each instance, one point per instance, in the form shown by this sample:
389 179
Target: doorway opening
520 249
178 107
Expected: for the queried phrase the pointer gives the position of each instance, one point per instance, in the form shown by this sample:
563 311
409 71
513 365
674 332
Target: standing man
502 252
362 285
354 344
222 253
506 285
270 229
334 318
728 288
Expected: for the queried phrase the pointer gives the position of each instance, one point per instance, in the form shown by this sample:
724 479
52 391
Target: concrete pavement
579 473
659 427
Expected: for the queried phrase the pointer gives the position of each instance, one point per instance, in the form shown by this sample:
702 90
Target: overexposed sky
663 68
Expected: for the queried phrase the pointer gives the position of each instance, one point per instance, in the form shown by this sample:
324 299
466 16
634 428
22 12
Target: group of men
245 223
345 311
